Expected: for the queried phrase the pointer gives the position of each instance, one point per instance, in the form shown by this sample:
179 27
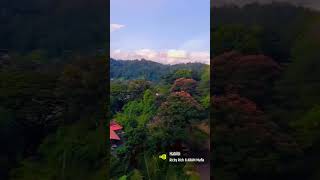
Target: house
115 134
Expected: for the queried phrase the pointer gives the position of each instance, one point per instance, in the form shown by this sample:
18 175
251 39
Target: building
115 134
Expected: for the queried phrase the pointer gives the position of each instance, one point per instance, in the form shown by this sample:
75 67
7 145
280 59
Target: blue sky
167 31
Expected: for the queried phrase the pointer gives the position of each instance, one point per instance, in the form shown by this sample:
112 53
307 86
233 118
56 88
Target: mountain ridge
146 69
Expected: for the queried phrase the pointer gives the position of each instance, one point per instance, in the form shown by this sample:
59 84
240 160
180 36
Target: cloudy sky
166 31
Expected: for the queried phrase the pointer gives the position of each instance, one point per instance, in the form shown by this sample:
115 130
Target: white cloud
115 27
172 56
146 53
176 54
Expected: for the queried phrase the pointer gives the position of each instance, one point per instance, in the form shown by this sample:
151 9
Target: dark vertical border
106 120
211 93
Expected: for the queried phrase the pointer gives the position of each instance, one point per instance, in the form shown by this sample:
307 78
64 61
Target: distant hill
145 69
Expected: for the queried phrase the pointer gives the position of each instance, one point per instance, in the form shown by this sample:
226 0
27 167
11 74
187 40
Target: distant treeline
148 70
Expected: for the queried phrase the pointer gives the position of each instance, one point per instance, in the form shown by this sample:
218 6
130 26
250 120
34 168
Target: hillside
149 70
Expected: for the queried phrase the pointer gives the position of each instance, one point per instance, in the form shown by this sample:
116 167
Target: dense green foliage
271 28
152 71
51 118
266 92
157 115
53 89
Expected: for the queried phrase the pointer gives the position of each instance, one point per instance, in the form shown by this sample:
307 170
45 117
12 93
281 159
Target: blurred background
265 85
53 89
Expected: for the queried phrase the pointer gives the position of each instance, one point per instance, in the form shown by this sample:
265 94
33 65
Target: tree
184 84
236 37
175 116
119 96
307 128
204 87
82 86
136 175
75 151
140 111
300 84
137 87
247 143
251 76
188 71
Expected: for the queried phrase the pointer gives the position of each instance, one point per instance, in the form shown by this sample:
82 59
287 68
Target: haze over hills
306 3
145 69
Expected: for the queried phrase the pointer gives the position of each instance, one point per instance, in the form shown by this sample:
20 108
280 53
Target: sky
165 31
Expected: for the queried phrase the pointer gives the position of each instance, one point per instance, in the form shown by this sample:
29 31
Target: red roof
113 135
115 126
